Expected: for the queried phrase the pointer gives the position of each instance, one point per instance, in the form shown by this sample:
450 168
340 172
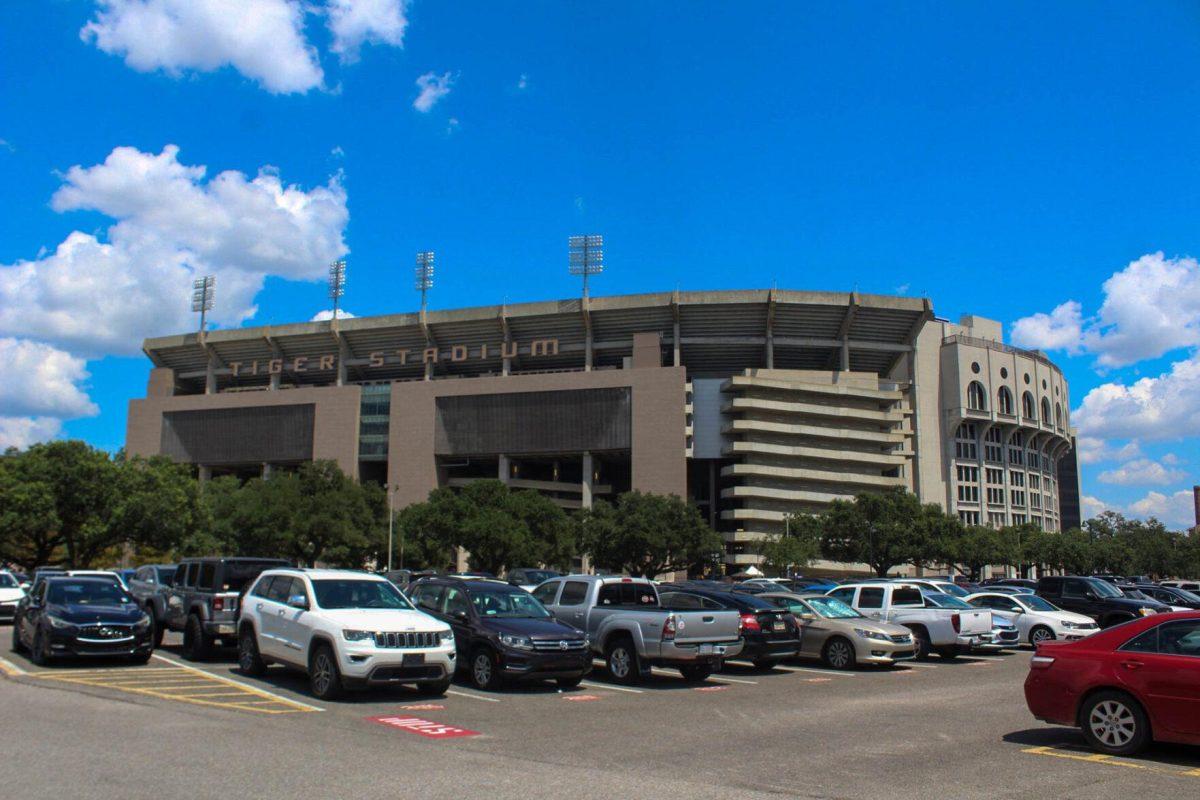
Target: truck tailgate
693 627
974 622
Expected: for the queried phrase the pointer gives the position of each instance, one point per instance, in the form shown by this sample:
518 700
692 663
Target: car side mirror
25 586
807 616
298 601
1017 610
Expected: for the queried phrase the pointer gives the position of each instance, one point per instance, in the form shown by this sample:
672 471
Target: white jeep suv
344 629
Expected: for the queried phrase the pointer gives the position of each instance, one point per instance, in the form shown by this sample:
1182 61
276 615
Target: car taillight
1041 662
218 604
956 621
668 631
750 623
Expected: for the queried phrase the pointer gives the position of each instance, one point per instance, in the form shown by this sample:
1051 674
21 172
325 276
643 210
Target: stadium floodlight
585 256
424 274
337 283
202 297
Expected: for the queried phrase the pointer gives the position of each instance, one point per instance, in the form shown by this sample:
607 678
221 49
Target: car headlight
866 634
357 636
58 622
446 636
516 642
1147 612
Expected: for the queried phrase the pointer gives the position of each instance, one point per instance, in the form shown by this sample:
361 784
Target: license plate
413 659
225 629
778 626
712 649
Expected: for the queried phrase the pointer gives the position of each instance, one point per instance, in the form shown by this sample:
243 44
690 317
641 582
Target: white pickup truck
944 631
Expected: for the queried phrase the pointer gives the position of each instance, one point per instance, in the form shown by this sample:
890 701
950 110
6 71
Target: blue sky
1004 160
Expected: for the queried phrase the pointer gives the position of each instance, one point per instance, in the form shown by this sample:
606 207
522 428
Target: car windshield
832 608
1102 588
240 573
7 581
354 593
944 601
166 576
1186 596
953 589
1035 603
509 605
88 593
540 575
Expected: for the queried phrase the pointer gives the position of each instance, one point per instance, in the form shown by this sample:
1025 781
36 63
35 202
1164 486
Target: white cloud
20 432
99 297
902 288
262 39
1142 472
1150 307
1173 509
1093 450
1061 329
327 314
433 88
353 22
523 82
1094 506
42 381
1162 407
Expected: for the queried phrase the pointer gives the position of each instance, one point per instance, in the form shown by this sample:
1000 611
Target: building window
1033 459
996 519
995 476
1028 408
968 474
1018 519
1058 419
1004 401
993 445
1035 501
995 496
1016 456
1035 482
964 442
976 396
968 493
1046 410
969 517
1018 498
1016 478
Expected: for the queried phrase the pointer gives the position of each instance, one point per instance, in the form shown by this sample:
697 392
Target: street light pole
391 520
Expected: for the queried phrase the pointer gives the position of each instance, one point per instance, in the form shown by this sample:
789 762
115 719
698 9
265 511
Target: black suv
1094 597
770 633
502 633
1171 596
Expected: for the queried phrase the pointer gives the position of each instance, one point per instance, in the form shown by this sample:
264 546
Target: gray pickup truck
149 586
205 599
628 627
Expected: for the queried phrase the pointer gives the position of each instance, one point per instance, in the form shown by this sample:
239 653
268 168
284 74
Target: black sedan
770 633
66 617
1171 596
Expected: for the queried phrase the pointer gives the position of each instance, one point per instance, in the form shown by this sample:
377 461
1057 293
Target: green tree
981 546
647 534
29 527
157 504
797 546
882 530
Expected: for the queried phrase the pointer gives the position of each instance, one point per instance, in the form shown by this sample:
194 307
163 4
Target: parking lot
957 729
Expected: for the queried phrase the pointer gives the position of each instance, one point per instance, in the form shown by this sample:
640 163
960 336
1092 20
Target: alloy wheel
618 663
482 669
322 673
1040 635
1112 723
839 654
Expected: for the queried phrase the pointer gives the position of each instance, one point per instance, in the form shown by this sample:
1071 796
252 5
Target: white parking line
920 666
820 671
591 685
473 696
723 679
248 687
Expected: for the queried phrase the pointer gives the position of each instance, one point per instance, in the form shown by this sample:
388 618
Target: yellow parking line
10 669
1111 761
251 689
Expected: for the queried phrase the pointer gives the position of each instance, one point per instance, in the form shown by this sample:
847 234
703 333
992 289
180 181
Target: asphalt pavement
172 729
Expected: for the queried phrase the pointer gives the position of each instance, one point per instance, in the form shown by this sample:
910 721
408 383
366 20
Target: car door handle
258 606
708 619
1132 664
282 612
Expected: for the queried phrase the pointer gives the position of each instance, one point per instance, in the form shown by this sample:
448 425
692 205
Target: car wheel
766 663
39 653
923 645
249 660
1040 634
484 672
140 658
696 673
324 677
159 630
839 653
568 683
17 647
947 653
622 661
1114 723
196 643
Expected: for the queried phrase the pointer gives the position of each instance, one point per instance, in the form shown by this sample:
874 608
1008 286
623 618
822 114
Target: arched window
1046 410
976 396
1058 420
1004 401
1028 409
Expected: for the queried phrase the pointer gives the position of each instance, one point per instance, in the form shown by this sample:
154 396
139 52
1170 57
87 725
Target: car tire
621 659
196 643
437 689
838 653
766 663
696 673
324 677
485 673
947 653
17 646
140 658
39 653
1114 723
1039 634
249 660
568 683
923 646
160 630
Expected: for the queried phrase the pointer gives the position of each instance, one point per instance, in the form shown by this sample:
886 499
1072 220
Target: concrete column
845 355
266 471
587 480
504 473
428 370
210 376
770 350
205 473
275 378
587 351
675 345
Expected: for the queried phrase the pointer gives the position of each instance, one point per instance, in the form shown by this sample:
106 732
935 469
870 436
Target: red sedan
1125 686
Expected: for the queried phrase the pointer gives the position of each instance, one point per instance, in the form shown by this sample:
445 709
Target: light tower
202 297
424 274
337 283
585 256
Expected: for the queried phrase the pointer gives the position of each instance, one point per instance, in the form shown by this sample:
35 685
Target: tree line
888 529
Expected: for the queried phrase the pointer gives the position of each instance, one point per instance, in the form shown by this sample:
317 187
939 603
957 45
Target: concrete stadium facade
750 404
